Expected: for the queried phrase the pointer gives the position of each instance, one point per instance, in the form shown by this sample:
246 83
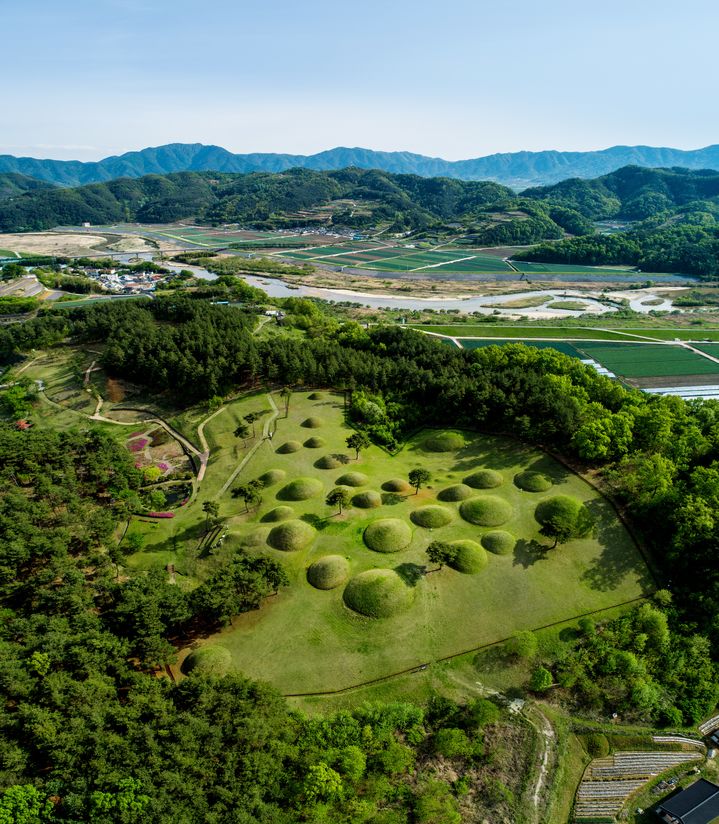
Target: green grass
487 510
649 360
532 481
328 572
308 640
209 660
378 593
491 330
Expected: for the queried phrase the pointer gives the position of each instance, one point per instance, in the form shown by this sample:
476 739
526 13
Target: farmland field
309 639
495 330
649 360
560 346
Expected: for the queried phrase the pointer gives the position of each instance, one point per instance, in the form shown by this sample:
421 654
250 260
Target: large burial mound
209 660
289 447
279 513
328 572
431 517
443 442
489 510
367 500
470 558
352 479
532 481
378 593
290 536
458 492
498 542
300 489
388 535
312 423
315 442
396 485
272 477
328 462
560 507
484 479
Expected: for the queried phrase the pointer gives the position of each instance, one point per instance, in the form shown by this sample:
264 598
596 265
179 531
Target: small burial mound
470 558
388 535
396 485
288 447
328 572
367 500
272 477
315 396
300 489
498 542
279 513
328 462
486 511
352 479
458 492
560 507
443 442
315 442
532 481
312 423
484 479
290 536
378 593
431 517
209 660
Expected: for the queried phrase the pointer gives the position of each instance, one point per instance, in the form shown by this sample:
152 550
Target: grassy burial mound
499 542
289 447
209 660
444 442
489 510
291 536
532 481
352 479
560 506
315 396
312 422
315 442
388 535
470 558
484 479
396 485
562 518
367 500
329 462
378 593
458 492
301 489
272 477
431 516
279 513
329 572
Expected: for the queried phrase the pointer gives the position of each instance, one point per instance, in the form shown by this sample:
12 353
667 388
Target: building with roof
697 804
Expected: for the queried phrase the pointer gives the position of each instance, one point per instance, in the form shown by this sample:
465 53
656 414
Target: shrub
484 479
458 492
431 517
300 490
289 447
470 557
315 442
312 423
522 644
396 485
328 572
378 593
444 442
486 511
452 743
532 481
597 745
272 477
388 535
291 535
352 479
541 680
279 513
209 660
367 500
498 542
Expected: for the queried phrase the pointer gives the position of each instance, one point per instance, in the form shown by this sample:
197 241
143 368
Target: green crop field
649 360
310 639
487 330
561 346
564 268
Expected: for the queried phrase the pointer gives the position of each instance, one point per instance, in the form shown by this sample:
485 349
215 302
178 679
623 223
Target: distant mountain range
515 169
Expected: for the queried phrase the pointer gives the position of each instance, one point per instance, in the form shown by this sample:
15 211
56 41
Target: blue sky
457 79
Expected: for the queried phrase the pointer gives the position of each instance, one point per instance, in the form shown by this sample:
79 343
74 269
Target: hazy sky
88 78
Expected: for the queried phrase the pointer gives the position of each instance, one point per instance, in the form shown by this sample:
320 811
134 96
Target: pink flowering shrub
163 466
138 445
160 514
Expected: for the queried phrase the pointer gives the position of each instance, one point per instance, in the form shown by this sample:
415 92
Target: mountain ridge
518 170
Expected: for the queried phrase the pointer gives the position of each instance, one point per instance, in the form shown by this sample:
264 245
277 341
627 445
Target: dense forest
87 736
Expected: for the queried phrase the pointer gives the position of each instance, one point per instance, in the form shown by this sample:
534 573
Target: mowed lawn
308 640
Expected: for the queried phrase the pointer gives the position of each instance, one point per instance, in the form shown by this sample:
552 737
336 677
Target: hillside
515 169
13 184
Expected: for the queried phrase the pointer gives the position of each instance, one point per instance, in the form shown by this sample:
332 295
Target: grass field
487 330
561 268
564 347
306 639
649 360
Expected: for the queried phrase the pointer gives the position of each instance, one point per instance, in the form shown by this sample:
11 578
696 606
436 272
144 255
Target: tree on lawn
440 552
338 497
242 431
249 492
211 510
250 418
559 527
418 477
358 441
286 394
